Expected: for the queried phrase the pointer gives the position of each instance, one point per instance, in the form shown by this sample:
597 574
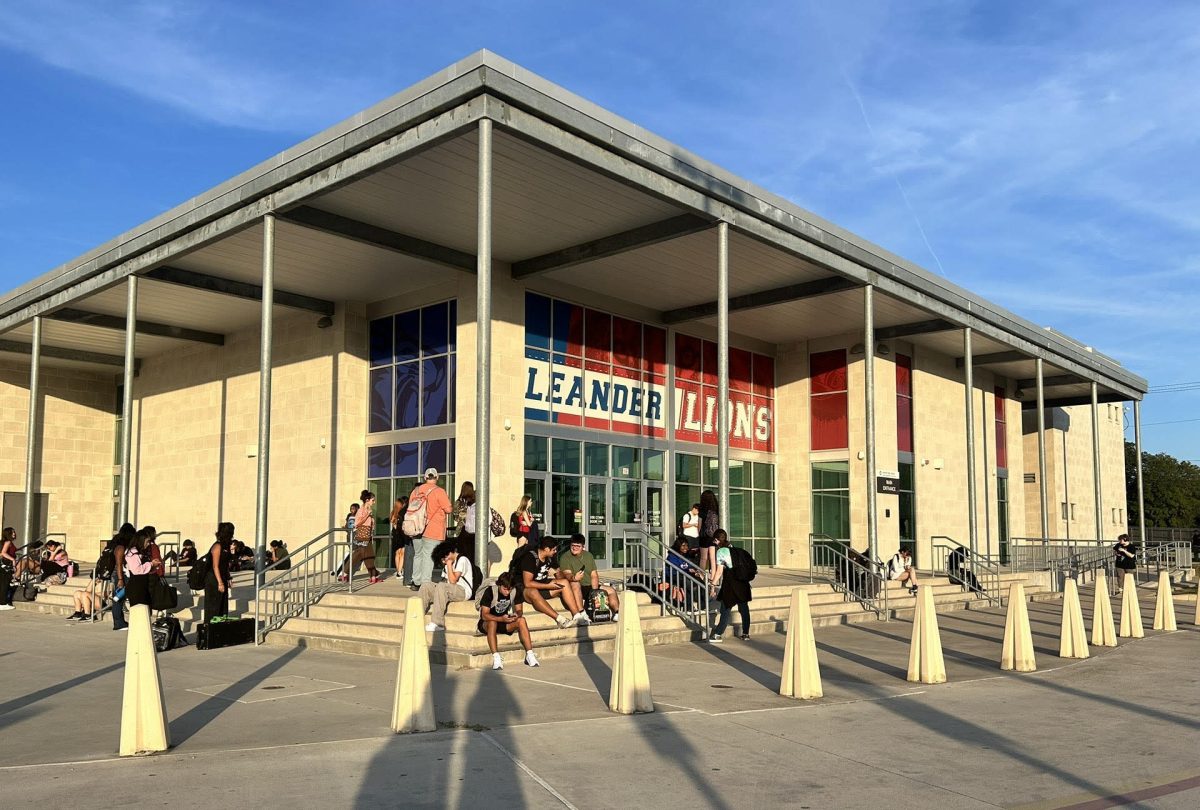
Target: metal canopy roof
385 202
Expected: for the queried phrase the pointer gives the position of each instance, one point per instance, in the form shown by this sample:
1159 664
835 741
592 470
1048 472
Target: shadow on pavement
51 691
199 716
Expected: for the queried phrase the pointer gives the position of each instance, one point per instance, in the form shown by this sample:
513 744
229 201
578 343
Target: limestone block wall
195 431
77 435
793 471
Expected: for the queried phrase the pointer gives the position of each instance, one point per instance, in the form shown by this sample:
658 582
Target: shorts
501 629
706 542
50 568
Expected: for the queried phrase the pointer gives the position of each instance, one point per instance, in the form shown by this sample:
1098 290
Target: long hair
524 507
124 535
225 532
10 535
398 509
141 539
466 493
708 502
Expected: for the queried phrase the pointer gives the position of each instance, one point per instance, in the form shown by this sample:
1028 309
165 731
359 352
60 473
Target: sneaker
6 607
744 636
119 629
88 619
714 639
76 616
564 622
531 659
913 591
399 575
581 619
376 579
496 662
343 578
432 627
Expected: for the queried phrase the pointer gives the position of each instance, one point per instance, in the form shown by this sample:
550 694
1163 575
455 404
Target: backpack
744 567
107 562
484 587
167 634
415 519
514 565
199 573
597 607
497 524
477 579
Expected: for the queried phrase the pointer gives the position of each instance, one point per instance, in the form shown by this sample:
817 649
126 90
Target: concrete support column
723 370
969 384
1137 446
264 389
1096 463
869 404
1043 495
31 444
483 360
123 508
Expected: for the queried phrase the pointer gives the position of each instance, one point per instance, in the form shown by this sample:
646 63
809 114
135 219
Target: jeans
422 554
438 596
118 606
727 613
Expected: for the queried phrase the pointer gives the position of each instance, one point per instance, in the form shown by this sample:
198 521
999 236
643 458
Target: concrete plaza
270 728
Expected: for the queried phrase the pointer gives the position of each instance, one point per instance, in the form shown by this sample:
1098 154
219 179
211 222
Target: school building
489 275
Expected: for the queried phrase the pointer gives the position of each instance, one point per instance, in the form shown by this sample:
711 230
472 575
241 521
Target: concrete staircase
371 621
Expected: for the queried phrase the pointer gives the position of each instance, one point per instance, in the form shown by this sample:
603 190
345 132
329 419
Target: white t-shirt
896 566
691 524
469 520
465 581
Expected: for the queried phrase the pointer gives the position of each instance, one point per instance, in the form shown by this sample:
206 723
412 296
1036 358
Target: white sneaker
496 662
531 659
431 627
581 618
714 639
564 622
7 607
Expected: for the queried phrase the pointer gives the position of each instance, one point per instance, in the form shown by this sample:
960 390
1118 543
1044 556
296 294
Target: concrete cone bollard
801 676
412 707
1164 608
1104 631
1131 610
629 692
1072 642
1017 651
143 710
925 661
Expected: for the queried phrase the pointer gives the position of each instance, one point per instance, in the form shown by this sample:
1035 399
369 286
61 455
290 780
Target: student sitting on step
900 570
500 612
458 586
536 566
89 601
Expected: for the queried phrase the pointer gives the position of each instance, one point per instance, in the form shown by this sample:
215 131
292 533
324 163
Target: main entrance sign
592 369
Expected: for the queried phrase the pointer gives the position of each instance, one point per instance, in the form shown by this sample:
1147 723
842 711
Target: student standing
122 540
1125 559
400 541
689 524
363 543
464 515
8 565
216 581
710 524
430 529
732 591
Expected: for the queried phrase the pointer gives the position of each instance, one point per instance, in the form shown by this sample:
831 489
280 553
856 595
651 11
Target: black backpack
199 573
106 564
514 564
744 566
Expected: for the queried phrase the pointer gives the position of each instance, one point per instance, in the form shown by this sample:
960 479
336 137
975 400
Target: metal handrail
1165 556
1079 564
1039 553
292 591
975 572
863 582
678 591
177 545
26 551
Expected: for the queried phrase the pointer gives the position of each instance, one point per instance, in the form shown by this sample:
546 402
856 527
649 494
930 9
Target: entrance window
566 506
1002 513
536 456
595 459
395 469
751 519
627 462
412 358
831 499
564 457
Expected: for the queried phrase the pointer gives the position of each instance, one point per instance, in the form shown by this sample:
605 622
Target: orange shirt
437 507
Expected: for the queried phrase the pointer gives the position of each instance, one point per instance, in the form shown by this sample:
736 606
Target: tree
1171 489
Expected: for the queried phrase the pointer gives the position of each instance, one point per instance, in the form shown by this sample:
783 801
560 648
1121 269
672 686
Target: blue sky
1043 154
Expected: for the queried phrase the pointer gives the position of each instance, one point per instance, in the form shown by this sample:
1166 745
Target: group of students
53 564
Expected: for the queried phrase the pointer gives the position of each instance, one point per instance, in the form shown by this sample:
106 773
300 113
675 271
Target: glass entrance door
596 520
654 517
